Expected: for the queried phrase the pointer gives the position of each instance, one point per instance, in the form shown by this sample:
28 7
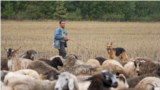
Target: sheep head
11 52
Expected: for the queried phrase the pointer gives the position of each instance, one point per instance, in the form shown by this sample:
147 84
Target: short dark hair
61 21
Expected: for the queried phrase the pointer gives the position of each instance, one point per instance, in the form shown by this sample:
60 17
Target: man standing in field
60 39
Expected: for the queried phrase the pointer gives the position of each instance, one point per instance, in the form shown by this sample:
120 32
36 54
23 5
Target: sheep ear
142 61
88 79
71 84
17 49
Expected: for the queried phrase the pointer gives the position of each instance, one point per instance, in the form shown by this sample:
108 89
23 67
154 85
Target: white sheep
122 83
143 84
130 69
28 72
25 82
109 62
93 62
67 80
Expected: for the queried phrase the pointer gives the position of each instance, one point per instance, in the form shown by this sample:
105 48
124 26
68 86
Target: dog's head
109 47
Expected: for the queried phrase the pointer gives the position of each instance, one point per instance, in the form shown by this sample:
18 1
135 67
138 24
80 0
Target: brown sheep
148 66
14 63
100 59
29 54
44 69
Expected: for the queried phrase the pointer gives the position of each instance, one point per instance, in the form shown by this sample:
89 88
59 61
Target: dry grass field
137 38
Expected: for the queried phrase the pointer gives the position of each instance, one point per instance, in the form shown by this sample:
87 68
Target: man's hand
66 38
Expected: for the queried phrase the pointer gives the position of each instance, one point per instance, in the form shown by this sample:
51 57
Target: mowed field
137 38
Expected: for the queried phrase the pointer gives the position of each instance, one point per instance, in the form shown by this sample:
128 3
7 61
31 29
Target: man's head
62 23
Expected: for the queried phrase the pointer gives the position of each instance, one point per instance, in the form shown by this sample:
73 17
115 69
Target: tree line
81 10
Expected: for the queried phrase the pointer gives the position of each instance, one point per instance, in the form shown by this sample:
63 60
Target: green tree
128 10
33 12
7 11
60 10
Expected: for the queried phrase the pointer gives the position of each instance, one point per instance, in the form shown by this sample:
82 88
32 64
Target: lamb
103 81
55 62
28 72
4 62
67 81
29 54
93 62
100 59
44 69
143 84
19 81
135 80
14 63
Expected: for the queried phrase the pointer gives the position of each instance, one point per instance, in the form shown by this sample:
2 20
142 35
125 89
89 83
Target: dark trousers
62 51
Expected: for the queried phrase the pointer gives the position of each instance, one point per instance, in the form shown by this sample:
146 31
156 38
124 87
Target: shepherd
61 38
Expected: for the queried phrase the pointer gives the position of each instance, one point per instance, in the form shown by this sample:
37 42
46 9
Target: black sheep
54 62
100 59
103 81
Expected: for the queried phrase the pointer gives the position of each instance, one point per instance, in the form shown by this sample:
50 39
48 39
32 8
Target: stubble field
137 38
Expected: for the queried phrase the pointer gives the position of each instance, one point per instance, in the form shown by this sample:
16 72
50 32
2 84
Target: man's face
62 24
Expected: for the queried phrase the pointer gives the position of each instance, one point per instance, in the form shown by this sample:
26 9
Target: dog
116 52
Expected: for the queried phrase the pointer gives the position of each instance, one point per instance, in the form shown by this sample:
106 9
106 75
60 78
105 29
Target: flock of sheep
22 72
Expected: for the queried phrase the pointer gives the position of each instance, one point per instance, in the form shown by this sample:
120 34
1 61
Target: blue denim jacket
57 37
